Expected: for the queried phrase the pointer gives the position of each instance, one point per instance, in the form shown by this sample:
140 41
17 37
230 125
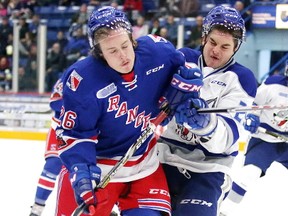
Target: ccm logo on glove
186 85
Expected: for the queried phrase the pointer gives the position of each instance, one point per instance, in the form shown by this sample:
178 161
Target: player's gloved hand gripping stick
180 87
252 124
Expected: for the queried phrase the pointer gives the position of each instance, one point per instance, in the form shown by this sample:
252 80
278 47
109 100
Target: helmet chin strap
201 50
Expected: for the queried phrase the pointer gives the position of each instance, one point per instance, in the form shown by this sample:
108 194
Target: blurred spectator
133 5
24 28
68 3
32 55
163 32
163 7
55 65
187 8
155 28
3 10
133 8
79 19
31 68
171 7
140 29
114 4
61 39
5 74
33 25
195 38
29 64
82 16
95 3
5 29
246 15
24 48
14 6
247 3
9 47
65 3
78 46
25 80
31 4
172 28
18 8
162 3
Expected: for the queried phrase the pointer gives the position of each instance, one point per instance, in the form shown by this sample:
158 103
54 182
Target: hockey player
108 100
262 149
53 163
197 150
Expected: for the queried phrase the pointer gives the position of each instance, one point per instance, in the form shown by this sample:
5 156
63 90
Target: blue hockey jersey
103 115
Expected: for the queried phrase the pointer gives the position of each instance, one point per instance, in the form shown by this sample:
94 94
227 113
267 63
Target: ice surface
21 163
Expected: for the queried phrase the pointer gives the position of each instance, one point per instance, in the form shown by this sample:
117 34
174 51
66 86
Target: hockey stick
133 148
246 109
240 109
274 134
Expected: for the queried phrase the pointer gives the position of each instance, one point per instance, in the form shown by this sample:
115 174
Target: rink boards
26 117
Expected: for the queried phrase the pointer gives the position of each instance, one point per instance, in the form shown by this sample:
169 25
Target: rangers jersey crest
74 81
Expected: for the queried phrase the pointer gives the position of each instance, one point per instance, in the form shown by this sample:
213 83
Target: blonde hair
101 34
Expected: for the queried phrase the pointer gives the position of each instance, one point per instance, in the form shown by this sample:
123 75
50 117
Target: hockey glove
185 84
252 122
84 179
199 124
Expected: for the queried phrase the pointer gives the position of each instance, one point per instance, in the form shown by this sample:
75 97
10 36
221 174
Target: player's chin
125 69
214 63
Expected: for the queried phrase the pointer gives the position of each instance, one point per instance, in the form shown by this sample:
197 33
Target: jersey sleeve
78 121
162 47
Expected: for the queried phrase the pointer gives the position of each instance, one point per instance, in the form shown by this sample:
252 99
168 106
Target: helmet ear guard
227 17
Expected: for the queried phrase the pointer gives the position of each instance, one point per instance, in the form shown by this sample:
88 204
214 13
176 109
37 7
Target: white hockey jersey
273 91
230 86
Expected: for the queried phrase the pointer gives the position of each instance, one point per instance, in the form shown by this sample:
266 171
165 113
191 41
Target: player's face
117 49
218 49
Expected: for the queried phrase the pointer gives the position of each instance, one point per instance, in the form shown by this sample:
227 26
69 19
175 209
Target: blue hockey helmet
108 17
224 16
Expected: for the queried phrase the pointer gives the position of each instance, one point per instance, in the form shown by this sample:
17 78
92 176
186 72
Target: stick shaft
133 148
240 109
274 134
